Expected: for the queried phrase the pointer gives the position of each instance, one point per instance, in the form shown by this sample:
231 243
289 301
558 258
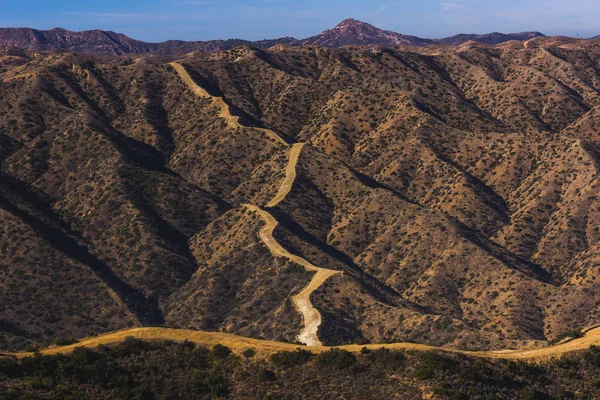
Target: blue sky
153 20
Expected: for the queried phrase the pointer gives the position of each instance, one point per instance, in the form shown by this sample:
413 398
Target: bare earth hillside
452 192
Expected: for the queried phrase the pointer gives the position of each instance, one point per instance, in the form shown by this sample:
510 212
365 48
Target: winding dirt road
265 347
290 175
312 317
224 109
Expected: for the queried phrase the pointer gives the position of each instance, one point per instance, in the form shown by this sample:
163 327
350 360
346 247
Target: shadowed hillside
454 187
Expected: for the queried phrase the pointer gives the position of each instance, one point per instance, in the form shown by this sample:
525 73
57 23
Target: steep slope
311 316
476 194
454 187
127 214
353 32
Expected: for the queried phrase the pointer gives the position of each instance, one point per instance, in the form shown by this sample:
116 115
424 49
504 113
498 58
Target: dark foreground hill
349 32
141 370
455 187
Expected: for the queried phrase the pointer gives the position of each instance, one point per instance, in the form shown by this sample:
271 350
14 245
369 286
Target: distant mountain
348 32
490 38
353 32
111 43
95 41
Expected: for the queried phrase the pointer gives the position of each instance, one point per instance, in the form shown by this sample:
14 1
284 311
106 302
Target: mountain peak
354 32
351 22
352 25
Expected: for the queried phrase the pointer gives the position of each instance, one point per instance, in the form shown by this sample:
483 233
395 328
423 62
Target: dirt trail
312 317
290 175
224 110
265 347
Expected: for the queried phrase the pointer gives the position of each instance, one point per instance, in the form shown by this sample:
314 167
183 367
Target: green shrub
32 348
290 358
529 393
431 364
336 358
448 393
65 341
592 356
134 345
9 367
572 334
266 375
387 358
220 351
249 353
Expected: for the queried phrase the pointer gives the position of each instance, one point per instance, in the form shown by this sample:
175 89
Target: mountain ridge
455 187
348 32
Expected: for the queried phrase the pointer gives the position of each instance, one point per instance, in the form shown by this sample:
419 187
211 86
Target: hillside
149 370
490 38
348 32
452 188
